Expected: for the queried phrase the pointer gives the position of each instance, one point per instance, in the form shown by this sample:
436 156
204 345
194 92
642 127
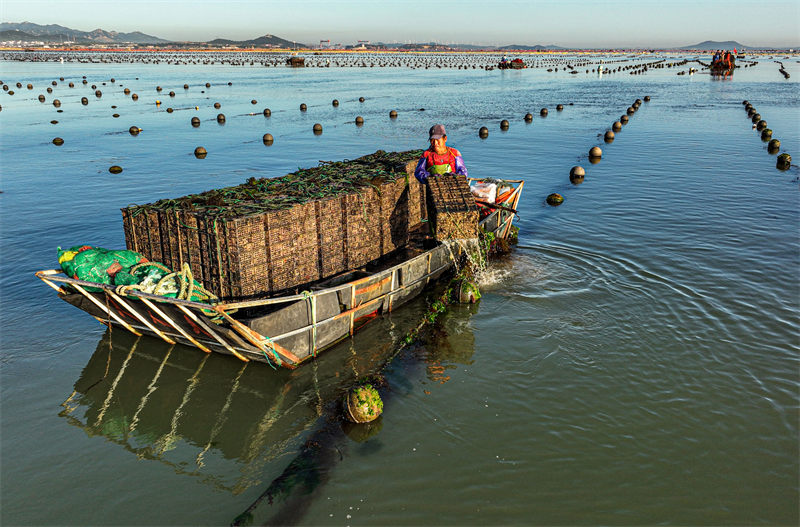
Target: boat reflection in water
201 414
287 498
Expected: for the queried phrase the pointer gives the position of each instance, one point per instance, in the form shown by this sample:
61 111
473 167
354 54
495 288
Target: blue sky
574 23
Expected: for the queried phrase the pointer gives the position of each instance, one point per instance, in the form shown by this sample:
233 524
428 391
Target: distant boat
516 64
295 62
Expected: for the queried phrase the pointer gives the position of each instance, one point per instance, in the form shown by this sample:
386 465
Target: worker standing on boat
439 158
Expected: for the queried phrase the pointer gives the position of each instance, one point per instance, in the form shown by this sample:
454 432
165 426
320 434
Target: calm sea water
634 361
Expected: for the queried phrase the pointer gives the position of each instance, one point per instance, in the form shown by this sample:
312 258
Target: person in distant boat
716 57
439 158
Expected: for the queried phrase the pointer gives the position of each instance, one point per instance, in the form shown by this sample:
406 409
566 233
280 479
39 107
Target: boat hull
286 330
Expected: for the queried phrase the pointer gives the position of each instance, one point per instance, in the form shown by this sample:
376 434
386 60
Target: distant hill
713 44
266 41
55 34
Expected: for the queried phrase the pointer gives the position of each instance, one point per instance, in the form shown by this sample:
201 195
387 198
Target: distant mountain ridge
713 44
53 33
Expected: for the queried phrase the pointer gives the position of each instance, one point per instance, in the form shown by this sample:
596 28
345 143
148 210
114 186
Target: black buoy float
172 94
766 134
784 162
253 101
393 114
609 137
134 97
98 94
483 133
760 125
504 124
560 107
528 118
303 107
335 102
185 86
217 106
755 118
84 101
317 128
361 99
134 130
774 144
359 120
646 98
623 119
543 112
115 169
56 103
195 121
595 152
220 117
58 141
555 199
41 98
617 126
200 152
630 110
268 139
170 110
267 112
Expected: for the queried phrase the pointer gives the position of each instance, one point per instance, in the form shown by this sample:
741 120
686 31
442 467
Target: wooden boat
723 68
286 330
516 64
295 62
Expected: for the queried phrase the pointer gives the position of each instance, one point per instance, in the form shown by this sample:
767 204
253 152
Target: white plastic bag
484 191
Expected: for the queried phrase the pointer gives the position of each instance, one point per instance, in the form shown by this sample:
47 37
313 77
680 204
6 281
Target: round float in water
115 169
200 152
555 199
362 404
576 174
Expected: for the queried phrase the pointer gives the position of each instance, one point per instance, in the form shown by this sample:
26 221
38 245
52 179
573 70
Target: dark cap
437 131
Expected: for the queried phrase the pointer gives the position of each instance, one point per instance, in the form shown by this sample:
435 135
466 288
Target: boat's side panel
170 321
